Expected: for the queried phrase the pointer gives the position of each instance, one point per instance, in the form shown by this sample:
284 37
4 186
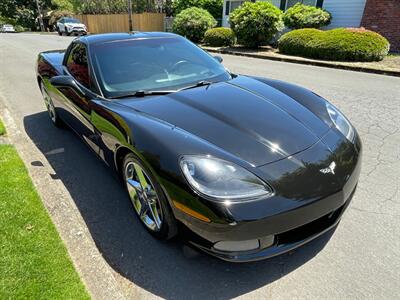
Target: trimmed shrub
219 36
192 23
19 28
305 16
254 24
347 44
214 7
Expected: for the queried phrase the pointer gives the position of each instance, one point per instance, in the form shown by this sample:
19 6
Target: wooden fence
120 22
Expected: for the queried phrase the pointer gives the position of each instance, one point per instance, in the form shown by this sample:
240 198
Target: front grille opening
303 232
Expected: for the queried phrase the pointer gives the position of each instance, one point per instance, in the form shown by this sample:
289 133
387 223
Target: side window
77 64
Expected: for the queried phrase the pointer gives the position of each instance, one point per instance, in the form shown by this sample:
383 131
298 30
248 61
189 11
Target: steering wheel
147 66
179 64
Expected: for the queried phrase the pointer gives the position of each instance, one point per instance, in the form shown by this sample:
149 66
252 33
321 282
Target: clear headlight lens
221 180
340 121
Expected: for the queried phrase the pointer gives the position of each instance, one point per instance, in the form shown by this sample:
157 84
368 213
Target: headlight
340 121
221 180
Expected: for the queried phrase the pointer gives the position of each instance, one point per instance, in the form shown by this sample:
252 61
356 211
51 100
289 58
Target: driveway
361 259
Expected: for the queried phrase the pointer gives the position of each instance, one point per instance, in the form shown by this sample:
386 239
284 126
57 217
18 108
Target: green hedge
219 36
192 23
305 16
255 24
346 44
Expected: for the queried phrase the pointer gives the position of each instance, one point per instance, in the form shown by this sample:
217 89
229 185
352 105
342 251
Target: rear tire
148 199
55 119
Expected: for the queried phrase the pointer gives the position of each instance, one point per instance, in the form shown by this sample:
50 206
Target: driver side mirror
218 58
65 81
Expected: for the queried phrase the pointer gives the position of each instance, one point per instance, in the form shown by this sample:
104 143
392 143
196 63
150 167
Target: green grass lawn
2 128
34 263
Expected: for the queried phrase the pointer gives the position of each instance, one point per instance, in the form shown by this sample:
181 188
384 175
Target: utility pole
40 16
129 15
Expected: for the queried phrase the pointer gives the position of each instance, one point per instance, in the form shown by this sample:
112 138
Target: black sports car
246 167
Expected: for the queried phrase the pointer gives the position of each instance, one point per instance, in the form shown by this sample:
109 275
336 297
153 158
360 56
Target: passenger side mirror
65 81
218 58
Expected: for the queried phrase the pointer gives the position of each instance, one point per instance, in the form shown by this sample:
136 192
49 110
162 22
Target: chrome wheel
143 196
49 104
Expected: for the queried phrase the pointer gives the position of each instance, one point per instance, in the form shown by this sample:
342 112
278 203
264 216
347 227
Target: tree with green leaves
116 6
23 12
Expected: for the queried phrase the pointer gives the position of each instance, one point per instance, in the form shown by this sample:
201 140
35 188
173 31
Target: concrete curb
88 261
306 62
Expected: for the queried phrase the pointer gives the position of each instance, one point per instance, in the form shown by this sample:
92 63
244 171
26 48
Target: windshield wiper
198 84
142 93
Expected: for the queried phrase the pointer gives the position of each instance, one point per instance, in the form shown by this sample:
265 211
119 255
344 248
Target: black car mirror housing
66 81
218 58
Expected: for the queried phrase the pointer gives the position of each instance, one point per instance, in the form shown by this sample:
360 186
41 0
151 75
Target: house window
231 6
290 3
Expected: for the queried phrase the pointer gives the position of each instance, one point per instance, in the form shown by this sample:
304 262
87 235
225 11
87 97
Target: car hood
243 116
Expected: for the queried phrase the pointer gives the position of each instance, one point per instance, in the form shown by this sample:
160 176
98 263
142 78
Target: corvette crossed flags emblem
330 169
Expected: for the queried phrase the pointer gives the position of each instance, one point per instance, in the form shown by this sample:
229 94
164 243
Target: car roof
62 18
112 37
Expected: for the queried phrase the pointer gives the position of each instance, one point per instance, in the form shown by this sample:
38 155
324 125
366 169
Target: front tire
148 199
50 107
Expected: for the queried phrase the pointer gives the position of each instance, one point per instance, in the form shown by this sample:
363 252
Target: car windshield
71 20
151 64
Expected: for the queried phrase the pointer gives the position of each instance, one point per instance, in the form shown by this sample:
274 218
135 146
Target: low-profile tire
148 199
51 110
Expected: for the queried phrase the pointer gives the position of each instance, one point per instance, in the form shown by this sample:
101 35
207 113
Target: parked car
68 26
245 167
7 28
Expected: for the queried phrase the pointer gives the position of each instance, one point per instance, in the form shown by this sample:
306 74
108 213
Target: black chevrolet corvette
246 167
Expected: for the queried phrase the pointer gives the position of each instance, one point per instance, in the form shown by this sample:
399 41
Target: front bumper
285 241
307 203
77 30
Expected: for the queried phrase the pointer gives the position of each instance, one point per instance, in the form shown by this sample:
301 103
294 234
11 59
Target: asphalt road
361 259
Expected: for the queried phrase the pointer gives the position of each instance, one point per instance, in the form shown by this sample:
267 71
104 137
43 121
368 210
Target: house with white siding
345 13
382 16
